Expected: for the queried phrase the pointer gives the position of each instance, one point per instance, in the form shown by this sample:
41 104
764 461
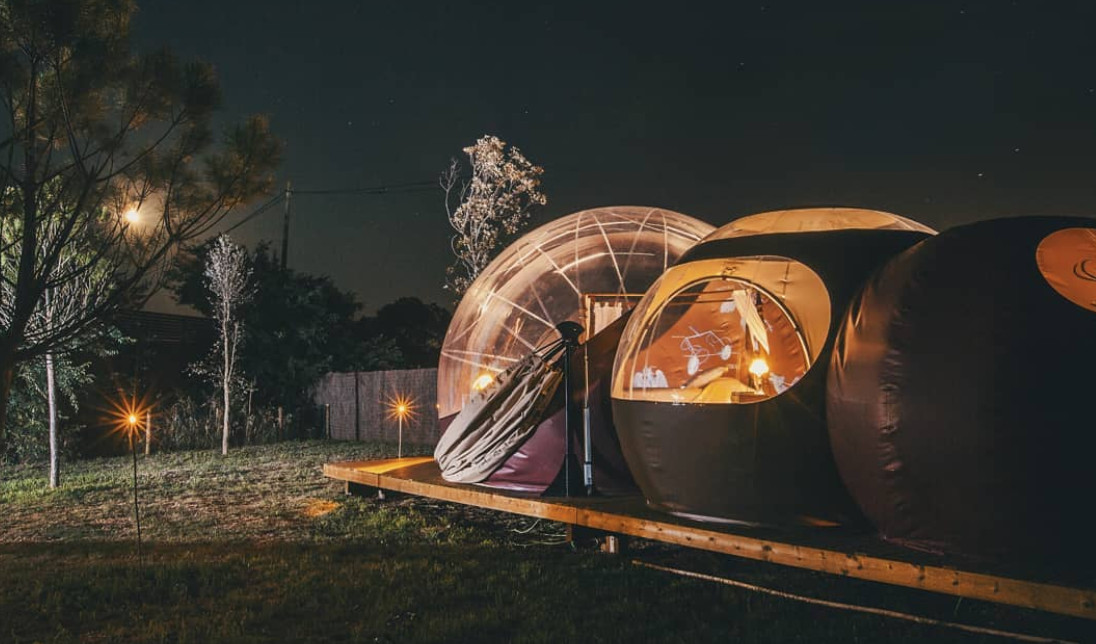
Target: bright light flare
758 367
127 417
132 216
482 382
401 407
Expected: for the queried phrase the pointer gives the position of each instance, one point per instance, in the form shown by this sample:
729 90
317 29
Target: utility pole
285 226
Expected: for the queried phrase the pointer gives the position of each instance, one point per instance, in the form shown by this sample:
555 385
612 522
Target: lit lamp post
401 407
127 421
132 431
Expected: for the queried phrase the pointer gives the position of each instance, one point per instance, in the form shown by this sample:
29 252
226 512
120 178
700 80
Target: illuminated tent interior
718 388
589 267
727 331
960 395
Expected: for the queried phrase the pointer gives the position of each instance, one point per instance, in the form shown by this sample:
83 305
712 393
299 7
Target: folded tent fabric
535 467
489 429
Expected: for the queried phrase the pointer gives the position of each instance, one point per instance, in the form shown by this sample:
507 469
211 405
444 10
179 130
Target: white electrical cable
853 607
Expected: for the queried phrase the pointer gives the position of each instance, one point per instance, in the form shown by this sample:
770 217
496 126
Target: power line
287 195
416 186
258 211
399 188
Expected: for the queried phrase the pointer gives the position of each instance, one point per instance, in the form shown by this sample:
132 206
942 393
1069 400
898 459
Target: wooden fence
361 405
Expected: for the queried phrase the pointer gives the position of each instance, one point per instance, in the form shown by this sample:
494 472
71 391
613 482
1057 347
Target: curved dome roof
541 279
815 220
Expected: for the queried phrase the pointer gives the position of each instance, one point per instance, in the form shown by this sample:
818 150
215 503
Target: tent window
717 339
1067 261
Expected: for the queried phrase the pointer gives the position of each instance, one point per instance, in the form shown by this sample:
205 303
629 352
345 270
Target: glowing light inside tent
482 382
759 367
132 216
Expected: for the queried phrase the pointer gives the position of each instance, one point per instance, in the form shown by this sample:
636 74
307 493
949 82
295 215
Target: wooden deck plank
420 477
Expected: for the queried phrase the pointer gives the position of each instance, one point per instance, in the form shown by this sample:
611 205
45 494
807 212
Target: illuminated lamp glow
758 367
482 382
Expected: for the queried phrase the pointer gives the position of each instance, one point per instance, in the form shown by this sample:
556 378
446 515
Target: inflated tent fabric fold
494 425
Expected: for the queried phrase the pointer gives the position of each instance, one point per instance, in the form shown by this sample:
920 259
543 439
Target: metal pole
587 430
327 420
570 332
587 452
568 452
357 410
148 432
285 226
136 508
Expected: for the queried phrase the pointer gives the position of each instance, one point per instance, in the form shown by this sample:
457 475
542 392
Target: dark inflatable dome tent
589 268
718 388
961 392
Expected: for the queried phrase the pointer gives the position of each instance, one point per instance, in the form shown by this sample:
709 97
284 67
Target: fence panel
362 405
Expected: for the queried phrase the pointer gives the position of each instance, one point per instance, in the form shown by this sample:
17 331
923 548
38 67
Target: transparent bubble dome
602 259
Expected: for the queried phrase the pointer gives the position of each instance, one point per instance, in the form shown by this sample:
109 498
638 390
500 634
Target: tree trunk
224 437
226 376
54 442
7 377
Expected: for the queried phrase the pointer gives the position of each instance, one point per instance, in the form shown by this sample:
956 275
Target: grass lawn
260 547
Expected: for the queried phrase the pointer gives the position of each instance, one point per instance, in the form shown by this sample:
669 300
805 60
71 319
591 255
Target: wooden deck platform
827 550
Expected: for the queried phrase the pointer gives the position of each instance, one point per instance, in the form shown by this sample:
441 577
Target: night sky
945 112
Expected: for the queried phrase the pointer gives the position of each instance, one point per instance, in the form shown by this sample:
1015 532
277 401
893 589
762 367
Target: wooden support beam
619 517
607 542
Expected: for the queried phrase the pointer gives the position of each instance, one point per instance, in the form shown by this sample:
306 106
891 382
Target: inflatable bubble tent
737 329
718 387
587 267
959 401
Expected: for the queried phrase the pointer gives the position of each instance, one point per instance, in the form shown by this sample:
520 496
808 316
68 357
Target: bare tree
88 132
228 277
495 200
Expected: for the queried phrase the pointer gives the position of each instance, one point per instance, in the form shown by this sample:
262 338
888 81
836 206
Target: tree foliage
494 201
416 329
73 286
30 400
93 130
299 326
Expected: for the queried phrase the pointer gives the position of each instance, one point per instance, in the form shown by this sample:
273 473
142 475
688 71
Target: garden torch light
401 407
127 417
132 431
